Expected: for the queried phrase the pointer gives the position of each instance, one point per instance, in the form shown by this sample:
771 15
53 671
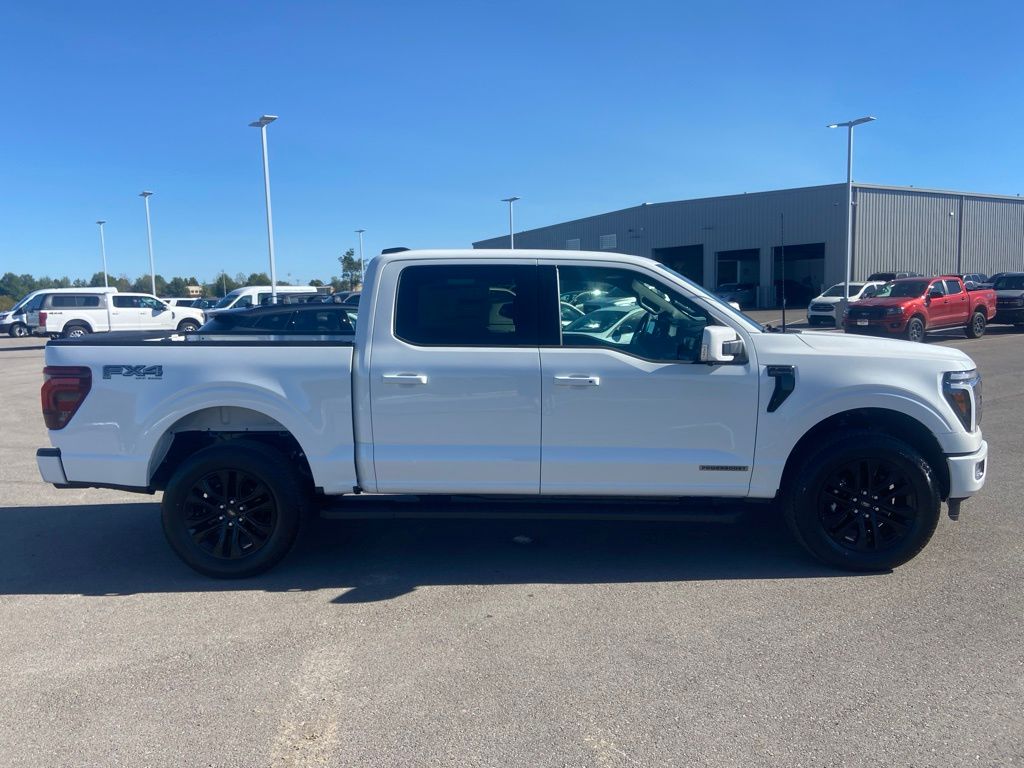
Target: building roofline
857 184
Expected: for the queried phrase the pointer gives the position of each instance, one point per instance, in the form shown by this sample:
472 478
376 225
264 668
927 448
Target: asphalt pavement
462 643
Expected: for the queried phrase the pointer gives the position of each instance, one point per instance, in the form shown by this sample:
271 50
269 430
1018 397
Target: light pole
360 233
262 124
149 236
103 253
511 229
849 199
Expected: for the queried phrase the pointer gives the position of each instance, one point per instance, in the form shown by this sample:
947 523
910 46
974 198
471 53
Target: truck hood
888 301
887 350
1010 294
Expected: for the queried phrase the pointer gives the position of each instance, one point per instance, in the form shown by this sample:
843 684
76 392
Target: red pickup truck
915 305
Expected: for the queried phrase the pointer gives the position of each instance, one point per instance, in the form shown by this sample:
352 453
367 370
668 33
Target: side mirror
720 344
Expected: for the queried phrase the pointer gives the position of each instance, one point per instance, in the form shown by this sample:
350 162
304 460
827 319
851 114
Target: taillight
64 390
42 319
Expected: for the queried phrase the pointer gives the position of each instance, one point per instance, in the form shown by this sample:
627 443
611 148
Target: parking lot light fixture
511 227
145 195
103 253
849 125
262 123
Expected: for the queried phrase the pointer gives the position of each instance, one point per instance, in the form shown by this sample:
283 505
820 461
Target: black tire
188 326
221 538
915 329
18 330
76 331
976 328
838 512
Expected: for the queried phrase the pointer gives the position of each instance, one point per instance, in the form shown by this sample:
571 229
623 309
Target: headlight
962 390
894 311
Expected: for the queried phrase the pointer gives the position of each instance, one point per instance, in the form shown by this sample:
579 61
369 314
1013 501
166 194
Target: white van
258 295
23 318
75 314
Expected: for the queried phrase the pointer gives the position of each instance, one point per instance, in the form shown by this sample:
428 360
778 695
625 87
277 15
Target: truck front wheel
18 330
865 502
233 510
915 329
976 328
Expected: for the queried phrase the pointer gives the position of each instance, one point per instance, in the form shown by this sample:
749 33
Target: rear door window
460 305
126 302
952 287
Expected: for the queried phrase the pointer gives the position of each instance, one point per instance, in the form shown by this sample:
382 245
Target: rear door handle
578 381
405 378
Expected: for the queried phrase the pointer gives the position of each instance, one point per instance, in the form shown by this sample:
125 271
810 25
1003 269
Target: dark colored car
797 294
974 280
308 318
1009 288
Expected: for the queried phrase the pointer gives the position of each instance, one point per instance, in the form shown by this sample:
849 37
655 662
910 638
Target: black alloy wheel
976 328
867 505
234 509
230 514
915 330
865 501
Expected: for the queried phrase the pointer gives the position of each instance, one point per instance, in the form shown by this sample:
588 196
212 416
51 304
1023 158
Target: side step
386 507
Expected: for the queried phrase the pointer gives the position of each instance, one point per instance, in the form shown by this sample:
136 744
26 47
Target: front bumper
967 472
895 326
1009 315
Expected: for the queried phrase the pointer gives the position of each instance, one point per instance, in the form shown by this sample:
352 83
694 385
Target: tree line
13 287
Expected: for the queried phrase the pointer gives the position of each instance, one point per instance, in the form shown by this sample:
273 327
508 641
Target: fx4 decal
134 371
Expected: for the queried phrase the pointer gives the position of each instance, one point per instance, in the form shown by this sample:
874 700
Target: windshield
910 289
226 301
710 298
837 290
1010 283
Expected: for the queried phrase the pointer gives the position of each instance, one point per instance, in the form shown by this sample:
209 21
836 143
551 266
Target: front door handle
578 381
405 378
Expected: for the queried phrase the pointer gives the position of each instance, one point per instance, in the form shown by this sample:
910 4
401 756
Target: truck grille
821 307
867 313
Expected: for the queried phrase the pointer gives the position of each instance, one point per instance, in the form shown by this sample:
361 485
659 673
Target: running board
374 507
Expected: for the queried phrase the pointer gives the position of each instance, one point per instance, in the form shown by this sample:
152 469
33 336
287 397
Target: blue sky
412 119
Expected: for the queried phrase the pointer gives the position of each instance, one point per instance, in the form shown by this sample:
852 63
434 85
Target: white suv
827 308
75 314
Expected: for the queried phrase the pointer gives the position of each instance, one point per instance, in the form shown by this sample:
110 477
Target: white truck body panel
390 416
151 314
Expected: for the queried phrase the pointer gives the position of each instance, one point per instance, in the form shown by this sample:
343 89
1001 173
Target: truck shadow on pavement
111 550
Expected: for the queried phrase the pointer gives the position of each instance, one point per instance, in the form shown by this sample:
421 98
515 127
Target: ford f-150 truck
915 305
460 379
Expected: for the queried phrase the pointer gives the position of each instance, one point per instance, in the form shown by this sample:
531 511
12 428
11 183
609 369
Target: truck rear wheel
233 510
915 329
75 331
976 328
865 502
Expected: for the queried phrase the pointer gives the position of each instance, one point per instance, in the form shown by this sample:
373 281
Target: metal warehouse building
739 238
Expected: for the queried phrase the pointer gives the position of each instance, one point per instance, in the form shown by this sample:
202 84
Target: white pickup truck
460 379
91 311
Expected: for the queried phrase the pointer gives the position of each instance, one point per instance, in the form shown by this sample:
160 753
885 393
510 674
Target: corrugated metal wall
895 228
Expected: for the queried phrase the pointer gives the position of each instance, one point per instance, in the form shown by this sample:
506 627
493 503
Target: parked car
74 315
1009 288
23 318
569 313
976 280
300 318
204 303
615 325
913 306
887 277
255 296
179 302
859 441
743 294
823 309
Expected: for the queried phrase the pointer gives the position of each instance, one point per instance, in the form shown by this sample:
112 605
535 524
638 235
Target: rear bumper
51 467
967 472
